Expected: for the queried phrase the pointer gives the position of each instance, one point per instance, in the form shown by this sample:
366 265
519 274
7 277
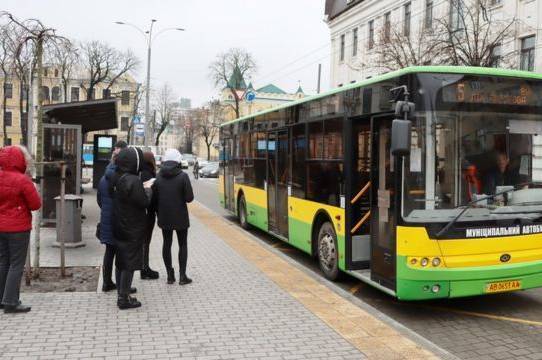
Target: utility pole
148 36
319 78
148 136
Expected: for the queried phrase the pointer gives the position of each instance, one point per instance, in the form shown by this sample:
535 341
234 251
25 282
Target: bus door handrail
360 193
361 222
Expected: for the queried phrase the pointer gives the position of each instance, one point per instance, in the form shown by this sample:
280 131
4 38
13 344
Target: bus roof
408 70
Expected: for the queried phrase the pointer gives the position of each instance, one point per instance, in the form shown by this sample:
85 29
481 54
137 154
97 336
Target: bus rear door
277 182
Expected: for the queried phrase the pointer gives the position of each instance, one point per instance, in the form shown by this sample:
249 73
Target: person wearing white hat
172 190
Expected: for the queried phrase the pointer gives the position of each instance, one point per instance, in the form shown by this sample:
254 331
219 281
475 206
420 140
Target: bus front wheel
243 213
328 256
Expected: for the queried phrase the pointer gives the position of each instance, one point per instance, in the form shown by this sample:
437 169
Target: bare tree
208 124
471 33
23 67
165 105
395 50
6 64
138 95
235 64
104 64
66 57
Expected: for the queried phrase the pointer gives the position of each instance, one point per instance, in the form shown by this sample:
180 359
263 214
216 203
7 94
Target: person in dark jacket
148 173
130 202
173 191
18 197
105 202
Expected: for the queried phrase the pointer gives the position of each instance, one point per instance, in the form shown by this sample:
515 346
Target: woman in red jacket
18 197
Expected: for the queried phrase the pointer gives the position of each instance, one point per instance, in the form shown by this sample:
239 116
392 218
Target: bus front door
277 182
383 220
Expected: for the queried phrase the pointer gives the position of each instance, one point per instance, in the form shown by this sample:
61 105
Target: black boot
15 309
184 280
108 287
149 274
125 302
170 276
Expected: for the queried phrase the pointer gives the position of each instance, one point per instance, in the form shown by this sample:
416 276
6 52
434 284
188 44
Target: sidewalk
240 306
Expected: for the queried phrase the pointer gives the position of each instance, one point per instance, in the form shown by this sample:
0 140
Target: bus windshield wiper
445 229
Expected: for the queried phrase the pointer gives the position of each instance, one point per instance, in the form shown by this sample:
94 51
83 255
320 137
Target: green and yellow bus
423 182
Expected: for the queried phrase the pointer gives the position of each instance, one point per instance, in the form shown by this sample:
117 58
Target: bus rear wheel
328 255
243 213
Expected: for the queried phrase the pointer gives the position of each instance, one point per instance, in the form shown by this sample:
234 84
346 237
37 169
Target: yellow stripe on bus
253 195
456 253
305 211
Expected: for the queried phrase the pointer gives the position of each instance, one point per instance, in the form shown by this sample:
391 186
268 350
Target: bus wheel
243 213
328 256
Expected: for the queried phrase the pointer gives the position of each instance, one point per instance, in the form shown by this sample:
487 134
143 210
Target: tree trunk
22 116
4 106
208 152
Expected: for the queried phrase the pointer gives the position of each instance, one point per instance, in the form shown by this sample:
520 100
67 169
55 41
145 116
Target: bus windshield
477 143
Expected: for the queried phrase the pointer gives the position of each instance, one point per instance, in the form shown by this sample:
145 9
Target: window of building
56 72
342 47
55 94
45 72
428 14
8 90
8 118
8 141
527 53
74 91
125 97
355 42
406 25
496 55
371 34
495 2
456 14
387 26
45 93
106 94
124 125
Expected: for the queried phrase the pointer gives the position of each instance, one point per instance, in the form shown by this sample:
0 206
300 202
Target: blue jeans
13 249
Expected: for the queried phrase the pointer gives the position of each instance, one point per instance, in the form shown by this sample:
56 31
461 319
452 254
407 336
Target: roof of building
408 70
236 80
299 90
336 7
271 89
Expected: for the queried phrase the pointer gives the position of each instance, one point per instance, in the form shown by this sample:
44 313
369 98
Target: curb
411 334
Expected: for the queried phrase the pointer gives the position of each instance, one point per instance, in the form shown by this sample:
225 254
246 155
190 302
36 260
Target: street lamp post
149 38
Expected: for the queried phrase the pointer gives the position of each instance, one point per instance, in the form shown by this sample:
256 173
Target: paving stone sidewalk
231 311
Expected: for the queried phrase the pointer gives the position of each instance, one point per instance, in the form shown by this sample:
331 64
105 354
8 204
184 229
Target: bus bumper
417 284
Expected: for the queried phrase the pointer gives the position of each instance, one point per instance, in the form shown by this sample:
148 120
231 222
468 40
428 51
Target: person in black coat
130 202
148 173
172 191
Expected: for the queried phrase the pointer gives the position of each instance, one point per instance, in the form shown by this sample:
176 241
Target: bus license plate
503 286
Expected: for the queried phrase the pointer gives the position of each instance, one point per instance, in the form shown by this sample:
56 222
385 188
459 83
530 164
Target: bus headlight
413 261
424 262
435 262
435 288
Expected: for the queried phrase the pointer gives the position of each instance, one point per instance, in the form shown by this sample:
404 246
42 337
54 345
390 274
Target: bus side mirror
400 137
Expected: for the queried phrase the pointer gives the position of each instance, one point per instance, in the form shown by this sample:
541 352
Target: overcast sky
278 33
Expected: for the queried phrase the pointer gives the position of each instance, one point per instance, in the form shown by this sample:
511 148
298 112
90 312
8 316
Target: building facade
253 100
356 24
54 92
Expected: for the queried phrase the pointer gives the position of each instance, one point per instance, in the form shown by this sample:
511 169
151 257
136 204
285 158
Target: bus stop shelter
64 128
